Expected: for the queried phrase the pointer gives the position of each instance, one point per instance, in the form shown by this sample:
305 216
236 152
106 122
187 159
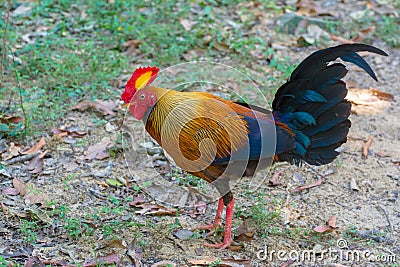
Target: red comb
130 88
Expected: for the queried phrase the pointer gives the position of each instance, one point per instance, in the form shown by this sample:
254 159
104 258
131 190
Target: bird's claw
221 246
210 227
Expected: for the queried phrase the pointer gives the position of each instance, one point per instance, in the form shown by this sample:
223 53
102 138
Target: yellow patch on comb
142 80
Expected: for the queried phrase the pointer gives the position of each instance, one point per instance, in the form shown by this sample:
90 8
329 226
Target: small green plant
29 230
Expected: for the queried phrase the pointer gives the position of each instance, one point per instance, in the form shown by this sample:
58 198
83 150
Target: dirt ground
367 209
87 204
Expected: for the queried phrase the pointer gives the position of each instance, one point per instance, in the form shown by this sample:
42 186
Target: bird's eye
142 96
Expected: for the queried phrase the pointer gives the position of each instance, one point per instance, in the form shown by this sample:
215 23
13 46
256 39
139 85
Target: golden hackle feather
203 125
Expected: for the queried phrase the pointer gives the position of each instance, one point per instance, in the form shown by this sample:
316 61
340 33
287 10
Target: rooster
204 133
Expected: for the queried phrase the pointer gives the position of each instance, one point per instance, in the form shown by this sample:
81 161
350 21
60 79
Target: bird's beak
127 105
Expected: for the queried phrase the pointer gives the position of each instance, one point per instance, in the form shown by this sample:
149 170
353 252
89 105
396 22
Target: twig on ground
21 158
301 188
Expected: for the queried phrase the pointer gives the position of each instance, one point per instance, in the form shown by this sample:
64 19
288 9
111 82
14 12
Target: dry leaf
370 5
362 34
20 186
155 209
63 133
331 227
11 152
36 147
36 164
11 119
112 258
137 200
183 234
198 209
99 150
9 191
115 243
332 221
323 229
312 9
243 233
222 47
131 47
105 107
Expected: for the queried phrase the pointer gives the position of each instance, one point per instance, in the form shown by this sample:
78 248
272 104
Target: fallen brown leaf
155 209
111 258
11 119
243 233
9 191
312 9
102 183
340 39
63 133
332 221
366 147
137 200
362 34
32 195
131 46
36 147
104 107
331 227
12 151
36 164
323 229
19 186
99 150
115 243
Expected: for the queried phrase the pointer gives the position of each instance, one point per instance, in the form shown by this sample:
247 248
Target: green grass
78 50
78 55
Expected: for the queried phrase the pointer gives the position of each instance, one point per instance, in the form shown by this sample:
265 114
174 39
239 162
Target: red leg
228 228
217 218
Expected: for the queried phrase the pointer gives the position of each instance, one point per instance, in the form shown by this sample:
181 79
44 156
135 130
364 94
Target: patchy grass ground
70 200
